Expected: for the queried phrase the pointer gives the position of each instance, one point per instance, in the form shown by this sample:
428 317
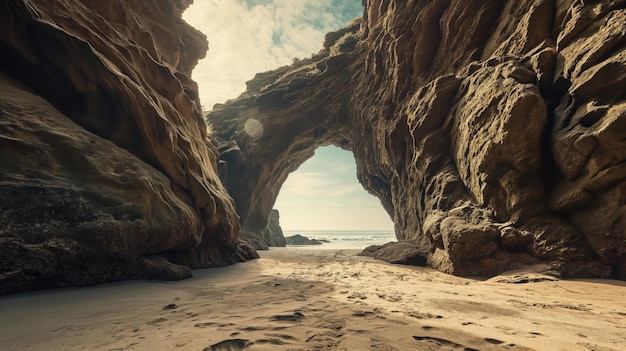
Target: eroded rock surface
399 252
106 171
272 236
273 232
491 131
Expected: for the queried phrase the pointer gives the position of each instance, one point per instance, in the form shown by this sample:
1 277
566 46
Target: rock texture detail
399 252
273 232
272 236
491 131
106 171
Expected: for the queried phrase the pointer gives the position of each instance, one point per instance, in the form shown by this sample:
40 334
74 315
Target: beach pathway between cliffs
316 299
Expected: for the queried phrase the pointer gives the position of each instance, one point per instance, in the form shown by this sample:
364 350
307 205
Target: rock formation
399 252
493 132
272 236
273 232
106 171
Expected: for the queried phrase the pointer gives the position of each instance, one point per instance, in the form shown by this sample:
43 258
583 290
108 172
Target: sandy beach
317 299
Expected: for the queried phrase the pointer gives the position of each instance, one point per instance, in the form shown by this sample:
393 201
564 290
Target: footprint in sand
363 313
357 296
493 341
283 336
229 345
429 341
420 315
271 341
276 339
157 321
294 317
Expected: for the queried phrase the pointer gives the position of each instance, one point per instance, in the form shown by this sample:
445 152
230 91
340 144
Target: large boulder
400 252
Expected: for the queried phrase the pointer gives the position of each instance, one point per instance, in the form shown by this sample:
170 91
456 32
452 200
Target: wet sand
317 299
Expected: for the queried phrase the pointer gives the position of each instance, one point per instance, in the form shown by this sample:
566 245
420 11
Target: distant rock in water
298 239
402 252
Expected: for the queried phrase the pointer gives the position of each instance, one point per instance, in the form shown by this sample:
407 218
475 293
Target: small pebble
170 306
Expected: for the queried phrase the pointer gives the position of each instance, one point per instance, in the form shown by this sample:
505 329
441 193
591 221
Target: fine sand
316 299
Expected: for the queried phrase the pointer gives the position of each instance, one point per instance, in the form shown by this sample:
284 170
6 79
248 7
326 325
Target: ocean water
345 239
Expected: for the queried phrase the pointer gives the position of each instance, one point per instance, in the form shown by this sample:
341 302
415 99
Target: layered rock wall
492 132
106 171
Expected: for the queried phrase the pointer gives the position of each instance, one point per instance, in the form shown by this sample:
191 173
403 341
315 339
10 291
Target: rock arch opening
323 194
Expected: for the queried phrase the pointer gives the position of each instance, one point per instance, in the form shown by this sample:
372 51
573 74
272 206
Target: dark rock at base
401 252
273 232
301 240
272 236
255 240
158 267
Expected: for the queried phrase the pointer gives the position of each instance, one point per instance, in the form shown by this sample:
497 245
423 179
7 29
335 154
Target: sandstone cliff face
106 169
491 131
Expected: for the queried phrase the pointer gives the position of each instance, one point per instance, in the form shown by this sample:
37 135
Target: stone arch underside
489 131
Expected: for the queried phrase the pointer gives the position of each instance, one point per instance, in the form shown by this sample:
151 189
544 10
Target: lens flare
253 128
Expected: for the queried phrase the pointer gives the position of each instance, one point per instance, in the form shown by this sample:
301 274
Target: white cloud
319 185
247 37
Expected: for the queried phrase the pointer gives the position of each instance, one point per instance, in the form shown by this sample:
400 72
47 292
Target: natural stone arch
254 171
253 166
456 139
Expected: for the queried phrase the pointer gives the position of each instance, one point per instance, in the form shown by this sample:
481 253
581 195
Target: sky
324 194
251 36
